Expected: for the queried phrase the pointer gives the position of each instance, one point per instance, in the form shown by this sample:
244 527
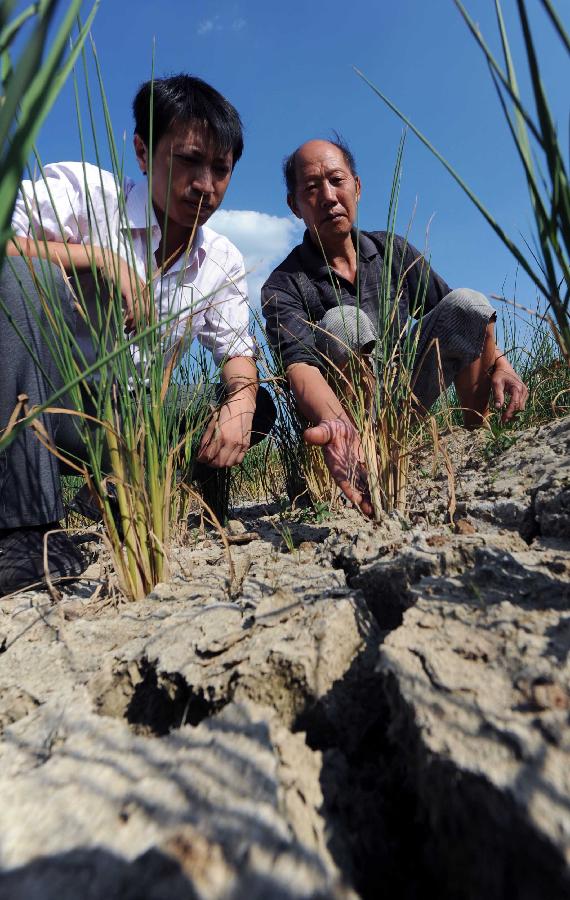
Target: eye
185 160
222 171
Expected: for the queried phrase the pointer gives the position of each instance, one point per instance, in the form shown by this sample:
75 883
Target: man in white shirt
81 220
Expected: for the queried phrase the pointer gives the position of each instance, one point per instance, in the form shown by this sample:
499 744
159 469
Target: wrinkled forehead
319 159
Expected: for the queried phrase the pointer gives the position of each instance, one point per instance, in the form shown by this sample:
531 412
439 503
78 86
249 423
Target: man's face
326 193
188 174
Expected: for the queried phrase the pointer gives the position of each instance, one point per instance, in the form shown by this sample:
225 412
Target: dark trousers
30 491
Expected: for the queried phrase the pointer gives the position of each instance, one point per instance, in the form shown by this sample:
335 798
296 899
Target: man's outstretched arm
227 436
491 374
332 430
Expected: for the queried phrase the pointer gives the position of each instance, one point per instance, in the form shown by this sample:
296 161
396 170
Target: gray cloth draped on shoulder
450 338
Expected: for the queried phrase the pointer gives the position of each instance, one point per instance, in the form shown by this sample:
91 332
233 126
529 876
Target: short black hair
185 99
289 163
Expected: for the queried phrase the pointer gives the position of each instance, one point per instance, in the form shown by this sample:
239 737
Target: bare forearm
315 398
239 376
71 257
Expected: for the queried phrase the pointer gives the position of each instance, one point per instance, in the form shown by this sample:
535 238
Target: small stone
234 527
463 526
246 538
437 540
307 546
550 696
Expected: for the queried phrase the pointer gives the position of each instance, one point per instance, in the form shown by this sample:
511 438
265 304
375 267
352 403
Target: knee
25 278
331 338
469 305
342 331
465 298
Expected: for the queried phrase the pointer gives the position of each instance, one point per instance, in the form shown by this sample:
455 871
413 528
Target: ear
141 153
293 206
358 187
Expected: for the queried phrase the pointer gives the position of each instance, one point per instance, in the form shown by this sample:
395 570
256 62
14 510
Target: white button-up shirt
82 204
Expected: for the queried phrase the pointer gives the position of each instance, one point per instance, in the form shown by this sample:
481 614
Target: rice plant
376 391
304 477
544 163
379 390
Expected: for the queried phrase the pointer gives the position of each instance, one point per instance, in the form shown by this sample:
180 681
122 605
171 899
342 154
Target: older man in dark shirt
322 303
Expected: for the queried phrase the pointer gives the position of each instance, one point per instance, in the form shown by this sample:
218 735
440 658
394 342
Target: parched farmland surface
360 710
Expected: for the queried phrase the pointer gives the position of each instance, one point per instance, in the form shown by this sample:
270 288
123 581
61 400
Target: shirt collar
136 205
136 208
312 256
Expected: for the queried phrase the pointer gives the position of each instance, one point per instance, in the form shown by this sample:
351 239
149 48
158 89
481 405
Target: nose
327 195
203 183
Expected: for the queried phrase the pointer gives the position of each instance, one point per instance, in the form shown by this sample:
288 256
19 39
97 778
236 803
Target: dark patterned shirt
302 288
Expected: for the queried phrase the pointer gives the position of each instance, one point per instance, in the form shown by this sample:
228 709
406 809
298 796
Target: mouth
333 217
198 207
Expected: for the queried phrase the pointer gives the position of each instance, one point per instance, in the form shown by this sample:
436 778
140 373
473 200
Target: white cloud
263 240
208 25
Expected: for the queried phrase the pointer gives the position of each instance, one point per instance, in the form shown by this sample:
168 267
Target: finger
524 397
145 296
498 394
205 456
352 493
213 462
225 458
509 412
318 436
356 497
209 432
516 403
234 458
208 451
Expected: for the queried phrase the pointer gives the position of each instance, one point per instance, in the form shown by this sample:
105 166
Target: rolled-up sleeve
289 331
53 207
226 324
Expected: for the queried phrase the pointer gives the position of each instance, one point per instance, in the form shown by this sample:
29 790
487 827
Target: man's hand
343 455
506 383
228 434
82 258
134 290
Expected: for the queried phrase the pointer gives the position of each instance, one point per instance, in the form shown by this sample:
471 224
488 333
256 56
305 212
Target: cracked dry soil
383 712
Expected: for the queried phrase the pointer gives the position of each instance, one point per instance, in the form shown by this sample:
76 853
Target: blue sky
287 67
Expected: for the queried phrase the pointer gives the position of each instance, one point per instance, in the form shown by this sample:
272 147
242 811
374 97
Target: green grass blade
9 32
523 142
6 9
516 252
554 157
545 226
557 22
23 75
474 29
34 99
